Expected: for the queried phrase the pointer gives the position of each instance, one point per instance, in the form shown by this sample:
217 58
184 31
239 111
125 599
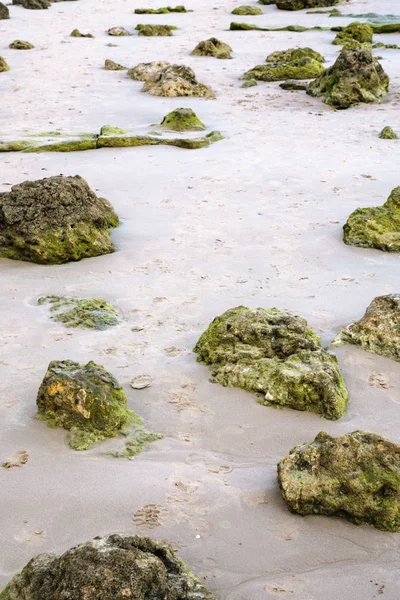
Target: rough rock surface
292 54
378 331
118 31
76 33
275 354
161 11
375 227
3 65
91 313
355 476
182 119
54 220
21 45
302 68
355 77
4 12
84 399
33 4
300 4
387 133
247 10
155 30
108 568
359 32
110 65
164 79
213 47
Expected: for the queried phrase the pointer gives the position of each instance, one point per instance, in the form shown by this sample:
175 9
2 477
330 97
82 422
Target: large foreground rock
302 68
375 227
84 399
4 12
163 79
355 476
355 77
54 220
275 354
115 567
299 4
378 331
213 47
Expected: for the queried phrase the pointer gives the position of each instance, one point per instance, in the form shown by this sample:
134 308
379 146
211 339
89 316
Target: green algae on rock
249 83
234 26
163 79
54 220
359 32
247 10
91 313
355 77
116 566
33 4
387 133
3 65
155 30
182 119
378 331
375 227
292 85
355 476
303 68
212 47
292 54
300 4
110 65
275 354
21 45
4 12
161 11
110 130
76 33
84 399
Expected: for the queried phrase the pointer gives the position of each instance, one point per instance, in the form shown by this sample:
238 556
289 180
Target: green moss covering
360 32
182 119
247 10
376 227
138 440
234 26
161 11
274 354
355 476
76 33
65 146
16 146
91 313
212 47
300 4
21 45
293 54
110 130
249 83
303 68
387 133
3 65
155 30
4 12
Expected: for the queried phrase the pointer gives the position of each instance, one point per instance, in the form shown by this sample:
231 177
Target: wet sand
255 219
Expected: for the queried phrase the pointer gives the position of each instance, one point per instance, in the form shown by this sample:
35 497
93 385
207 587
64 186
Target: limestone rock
376 227
212 47
247 10
275 354
3 65
293 54
155 30
300 4
302 68
387 133
110 65
164 79
182 119
148 71
54 220
359 32
21 45
292 85
78 34
355 77
84 399
4 12
249 83
355 476
91 313
33 4
161 11
378 331
116 566
118 31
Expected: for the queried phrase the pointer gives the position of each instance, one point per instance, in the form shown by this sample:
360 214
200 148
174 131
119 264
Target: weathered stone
155 30
275 354
249 83
247 10
293 54
387 133
118 31
161 11
375 227
303 68
3 65
111 130
91 313
212 47
148 71
355 476
292 85
78 34
4 12
355 77
54 220
182 119
110 65
300 4
234 26
164 79
21 45
359 32
378 331
108 568
33 4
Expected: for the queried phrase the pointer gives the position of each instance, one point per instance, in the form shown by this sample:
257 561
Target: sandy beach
256 220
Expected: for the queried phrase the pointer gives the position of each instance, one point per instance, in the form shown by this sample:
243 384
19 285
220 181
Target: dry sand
255 219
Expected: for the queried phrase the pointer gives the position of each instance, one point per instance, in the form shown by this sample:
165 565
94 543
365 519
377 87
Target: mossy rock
21 45
360 32
33 4
247 10
155 30
165 10
172 81
355 77
110 130
293 54
378 331
182 119
84 399
276 355
300 4
90 313
385 27
350 44
303 68
110 65
234 26
387 133
4 12
118 31
355 476
111 567
54 220
76 33
3 65
212 47
376 227
248 83
291 85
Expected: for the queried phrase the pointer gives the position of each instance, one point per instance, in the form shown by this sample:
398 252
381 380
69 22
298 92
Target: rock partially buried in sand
21 45
355 476
378 331
212 47
33 4
84 399
110 65
54 220
91 313
358 32
3 65
275 354
76 33
355 77
300 4
164 79
118 31
375 227
4 12
387 133
247 10
108 568
161 11
303 68
292 54
155 30
293 85
182 119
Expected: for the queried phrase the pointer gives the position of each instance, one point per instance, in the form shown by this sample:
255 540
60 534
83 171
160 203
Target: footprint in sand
150 516
18 459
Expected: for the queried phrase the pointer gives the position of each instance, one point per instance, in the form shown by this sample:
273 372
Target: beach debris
387 133
274 354
212 47
355 476
164 79
90 313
